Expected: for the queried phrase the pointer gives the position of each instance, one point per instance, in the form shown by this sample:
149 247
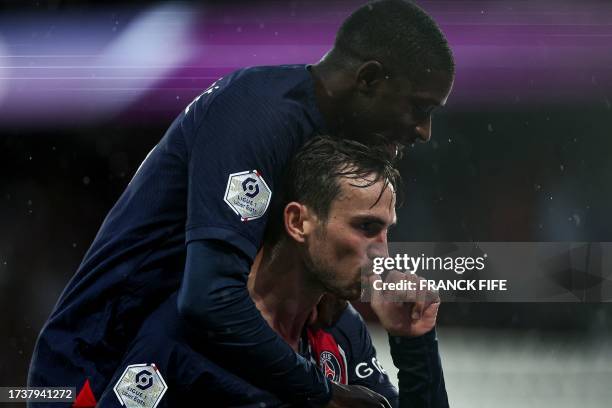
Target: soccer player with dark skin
176 226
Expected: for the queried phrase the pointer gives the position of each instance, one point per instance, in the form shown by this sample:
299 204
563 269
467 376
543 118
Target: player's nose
378 249
423 130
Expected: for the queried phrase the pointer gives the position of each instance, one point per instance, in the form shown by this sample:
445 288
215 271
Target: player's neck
282 291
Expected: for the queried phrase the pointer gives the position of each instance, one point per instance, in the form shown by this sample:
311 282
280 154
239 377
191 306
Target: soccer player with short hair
193 216
318 248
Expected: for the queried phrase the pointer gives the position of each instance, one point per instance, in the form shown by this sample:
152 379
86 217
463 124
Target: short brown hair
313 173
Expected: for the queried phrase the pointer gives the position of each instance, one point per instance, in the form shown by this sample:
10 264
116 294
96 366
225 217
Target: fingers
356 396
380 400
407 295
419 305
433 296
431 311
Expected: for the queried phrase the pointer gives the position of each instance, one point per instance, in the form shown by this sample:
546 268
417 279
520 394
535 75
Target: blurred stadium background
521 153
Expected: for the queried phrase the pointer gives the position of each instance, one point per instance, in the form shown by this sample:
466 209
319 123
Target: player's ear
369 76
297 221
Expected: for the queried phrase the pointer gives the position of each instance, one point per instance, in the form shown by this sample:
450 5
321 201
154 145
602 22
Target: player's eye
370 228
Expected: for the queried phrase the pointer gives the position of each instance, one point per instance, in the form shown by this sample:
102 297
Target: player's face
398 111
355 233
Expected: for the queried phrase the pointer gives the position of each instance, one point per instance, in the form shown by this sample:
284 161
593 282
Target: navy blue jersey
211 177
344 352
356 354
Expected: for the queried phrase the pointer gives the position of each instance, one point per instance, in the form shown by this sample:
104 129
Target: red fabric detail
321 341
85 399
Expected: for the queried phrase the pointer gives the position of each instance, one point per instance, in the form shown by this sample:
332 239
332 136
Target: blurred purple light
510 53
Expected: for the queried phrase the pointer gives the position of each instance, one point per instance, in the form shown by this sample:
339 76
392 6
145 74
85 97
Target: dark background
516 172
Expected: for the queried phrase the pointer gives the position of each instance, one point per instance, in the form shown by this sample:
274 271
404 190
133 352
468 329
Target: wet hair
398 34
313 176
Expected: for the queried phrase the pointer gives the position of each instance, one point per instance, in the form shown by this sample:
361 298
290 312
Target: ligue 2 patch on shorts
140 386
247 194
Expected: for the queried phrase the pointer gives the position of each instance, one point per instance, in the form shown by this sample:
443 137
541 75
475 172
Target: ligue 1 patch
247 194
330 366
140 386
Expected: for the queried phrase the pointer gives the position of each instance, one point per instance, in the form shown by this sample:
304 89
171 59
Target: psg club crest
140 386
330 366
247 194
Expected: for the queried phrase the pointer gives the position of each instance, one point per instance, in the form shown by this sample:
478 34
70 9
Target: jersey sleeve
237 147
215 301
420 376
362 364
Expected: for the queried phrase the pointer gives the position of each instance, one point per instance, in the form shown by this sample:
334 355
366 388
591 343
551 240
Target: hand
405 313
356 396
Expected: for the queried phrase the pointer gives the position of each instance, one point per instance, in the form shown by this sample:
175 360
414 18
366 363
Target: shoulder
272 95
271 84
